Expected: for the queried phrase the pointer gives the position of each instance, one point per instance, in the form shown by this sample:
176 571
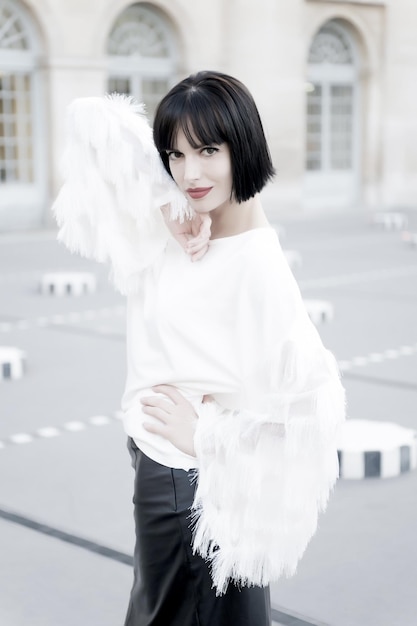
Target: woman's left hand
176 417
192 234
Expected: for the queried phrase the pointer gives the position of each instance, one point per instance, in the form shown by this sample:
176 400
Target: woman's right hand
193 235
175 417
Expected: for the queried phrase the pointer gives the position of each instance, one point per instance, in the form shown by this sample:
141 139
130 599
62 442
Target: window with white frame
142 55
330 45
330 101
16 97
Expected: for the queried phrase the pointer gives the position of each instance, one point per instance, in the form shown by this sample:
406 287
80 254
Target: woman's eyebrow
205 145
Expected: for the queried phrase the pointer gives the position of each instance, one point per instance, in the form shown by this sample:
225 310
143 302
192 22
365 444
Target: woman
215 333
232 404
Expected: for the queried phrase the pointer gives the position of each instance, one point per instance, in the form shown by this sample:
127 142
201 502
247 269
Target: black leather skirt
172 587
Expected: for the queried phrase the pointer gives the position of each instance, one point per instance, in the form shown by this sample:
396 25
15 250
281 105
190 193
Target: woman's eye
173 155
209 150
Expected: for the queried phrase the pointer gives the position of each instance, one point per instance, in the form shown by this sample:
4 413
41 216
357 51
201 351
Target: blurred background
336 84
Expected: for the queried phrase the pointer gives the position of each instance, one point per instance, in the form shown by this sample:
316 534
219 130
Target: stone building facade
335 82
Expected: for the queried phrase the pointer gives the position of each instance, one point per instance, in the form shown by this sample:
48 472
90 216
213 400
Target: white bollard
68 283
319 310
390 220
370 449
12 363
294 258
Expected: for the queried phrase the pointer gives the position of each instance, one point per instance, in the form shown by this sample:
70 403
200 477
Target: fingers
194 247
160 414
199 245
201 228
171 392
156 428
193 235
205 228
159 408
157 402
196 256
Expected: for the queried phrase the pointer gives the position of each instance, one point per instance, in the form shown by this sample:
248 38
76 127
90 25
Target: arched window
22 139
332 110
16 91
142 55
330 46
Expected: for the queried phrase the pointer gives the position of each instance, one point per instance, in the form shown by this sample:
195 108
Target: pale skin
193 235
217 215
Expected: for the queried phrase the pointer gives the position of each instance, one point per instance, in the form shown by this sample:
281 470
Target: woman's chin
200 209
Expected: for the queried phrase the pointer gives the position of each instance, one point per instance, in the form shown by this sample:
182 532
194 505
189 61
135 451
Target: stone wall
265 44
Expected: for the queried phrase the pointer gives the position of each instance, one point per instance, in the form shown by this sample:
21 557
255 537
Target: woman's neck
235 218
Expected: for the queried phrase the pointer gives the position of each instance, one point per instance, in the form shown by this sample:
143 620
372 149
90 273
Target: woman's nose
192 168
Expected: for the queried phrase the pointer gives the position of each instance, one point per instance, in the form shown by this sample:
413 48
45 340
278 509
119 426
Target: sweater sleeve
108 207
267 469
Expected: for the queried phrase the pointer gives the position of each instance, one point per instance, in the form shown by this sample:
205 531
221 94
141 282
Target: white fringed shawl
108 206
266 470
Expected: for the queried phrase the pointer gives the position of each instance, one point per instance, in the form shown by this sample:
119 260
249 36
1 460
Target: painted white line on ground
74 317
392 354
21 438
360 361
59 319
41 321
48 432
344 365
22 325
99 420
407 350
74 426
377 357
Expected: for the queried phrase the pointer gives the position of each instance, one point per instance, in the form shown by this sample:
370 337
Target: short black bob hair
213 108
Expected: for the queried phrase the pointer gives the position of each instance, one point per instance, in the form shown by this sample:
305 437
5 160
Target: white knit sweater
233 325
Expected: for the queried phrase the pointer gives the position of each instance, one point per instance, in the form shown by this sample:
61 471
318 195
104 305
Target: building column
68 78
264 47
400 96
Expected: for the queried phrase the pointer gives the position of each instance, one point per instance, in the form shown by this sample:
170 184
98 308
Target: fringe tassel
109 206
263 483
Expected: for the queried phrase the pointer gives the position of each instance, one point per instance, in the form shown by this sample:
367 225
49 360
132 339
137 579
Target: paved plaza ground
66 527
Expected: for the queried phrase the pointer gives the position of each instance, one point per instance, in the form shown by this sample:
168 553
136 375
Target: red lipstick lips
198 192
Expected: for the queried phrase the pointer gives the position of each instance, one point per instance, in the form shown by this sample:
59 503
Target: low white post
12 363
319 310
369 449
389 220
68 283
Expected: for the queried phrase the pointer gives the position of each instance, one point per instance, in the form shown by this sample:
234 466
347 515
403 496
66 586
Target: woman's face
203 174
